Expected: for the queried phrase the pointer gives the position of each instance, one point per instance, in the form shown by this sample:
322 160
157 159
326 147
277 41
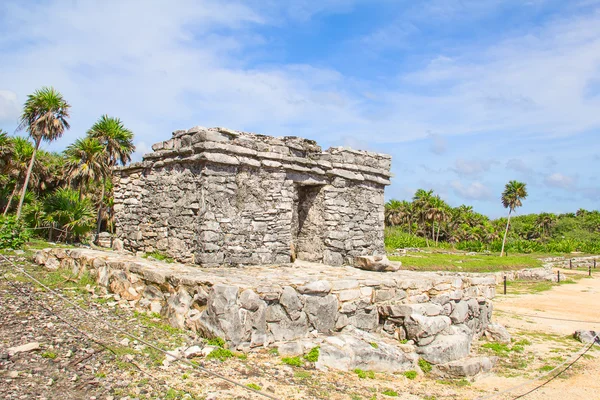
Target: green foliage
374 345
217 341
429 221
253 386
313 355
13 233
424 365
220 354
292 361
390 392
410 374
274 351
49 354
157 255
364 374
302 374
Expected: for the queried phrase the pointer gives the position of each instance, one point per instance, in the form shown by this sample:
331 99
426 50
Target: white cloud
560 181
517 164
474 191
471 167
9 109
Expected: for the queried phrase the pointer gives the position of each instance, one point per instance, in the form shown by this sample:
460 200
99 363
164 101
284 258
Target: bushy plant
13 233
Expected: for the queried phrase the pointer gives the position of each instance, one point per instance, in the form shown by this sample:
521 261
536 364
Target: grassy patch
390 392
274 351
374 345
455 382
480 262
253 386
424 365
364 374
293 361
154 321
157 255
546 368
219 342
49 354
313 355
302 374
410 374
220 354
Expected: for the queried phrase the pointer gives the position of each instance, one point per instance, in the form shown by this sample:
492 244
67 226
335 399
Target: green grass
503 350
49 354
546 368
455 382
302 374
374 345
274 351
480 262
364 374
219 342
424 365
219 354
313 355
410 374
390 392
253 386
293 361
157 255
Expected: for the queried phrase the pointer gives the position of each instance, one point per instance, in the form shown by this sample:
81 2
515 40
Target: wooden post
504 284
570 264
589 270
594 263
558 277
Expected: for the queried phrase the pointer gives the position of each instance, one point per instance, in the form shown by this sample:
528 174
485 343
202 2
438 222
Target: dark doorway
307 223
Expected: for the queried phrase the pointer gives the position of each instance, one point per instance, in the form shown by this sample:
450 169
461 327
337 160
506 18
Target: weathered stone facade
343 309
221 197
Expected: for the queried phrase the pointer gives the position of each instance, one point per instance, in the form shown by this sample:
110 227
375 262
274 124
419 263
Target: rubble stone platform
429 315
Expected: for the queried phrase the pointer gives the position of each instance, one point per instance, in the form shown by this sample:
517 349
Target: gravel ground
103 364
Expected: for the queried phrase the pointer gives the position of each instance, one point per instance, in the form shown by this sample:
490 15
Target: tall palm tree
44 116
514 193
6 153
16 169
86 162
422 205
544 222
118 144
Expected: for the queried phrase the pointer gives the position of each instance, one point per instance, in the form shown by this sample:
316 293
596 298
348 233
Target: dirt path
553 315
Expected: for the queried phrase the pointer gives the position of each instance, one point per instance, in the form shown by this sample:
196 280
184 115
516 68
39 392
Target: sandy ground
559 311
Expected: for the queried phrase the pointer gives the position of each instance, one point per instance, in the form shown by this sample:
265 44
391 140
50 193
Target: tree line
65 195
428 220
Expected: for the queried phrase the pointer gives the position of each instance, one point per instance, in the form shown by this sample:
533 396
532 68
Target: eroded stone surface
215 196
260 306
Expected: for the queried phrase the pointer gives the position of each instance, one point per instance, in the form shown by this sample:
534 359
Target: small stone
124 342
24 348
586 336
13 374
376 263
497 333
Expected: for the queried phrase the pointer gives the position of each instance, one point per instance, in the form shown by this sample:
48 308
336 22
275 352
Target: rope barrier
580 354
76 329
178 358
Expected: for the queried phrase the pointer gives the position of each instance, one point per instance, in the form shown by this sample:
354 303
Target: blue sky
465 95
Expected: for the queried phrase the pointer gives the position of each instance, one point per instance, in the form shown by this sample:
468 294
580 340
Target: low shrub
313 355
293 361
13 233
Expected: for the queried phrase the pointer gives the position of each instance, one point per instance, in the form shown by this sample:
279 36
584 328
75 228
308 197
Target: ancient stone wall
433 315
216 196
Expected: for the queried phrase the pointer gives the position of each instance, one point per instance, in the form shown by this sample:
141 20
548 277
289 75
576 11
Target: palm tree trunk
29 169
505 232
432 230
100 209
10 199
437 238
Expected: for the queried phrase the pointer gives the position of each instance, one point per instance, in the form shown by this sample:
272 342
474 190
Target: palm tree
6 153
44 116
85 162
118 144
17 167
544 222
514 193
422 204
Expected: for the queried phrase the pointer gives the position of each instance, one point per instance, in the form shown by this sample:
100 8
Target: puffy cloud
516 164
473 191
9 108
559 180
471 167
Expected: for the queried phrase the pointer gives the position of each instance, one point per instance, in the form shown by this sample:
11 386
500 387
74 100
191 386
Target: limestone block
347 352
446 348
318 288
420 326
376 263
459 312
465 368
322 311
497 333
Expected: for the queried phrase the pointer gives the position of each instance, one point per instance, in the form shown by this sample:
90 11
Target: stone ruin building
218 197
222 197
